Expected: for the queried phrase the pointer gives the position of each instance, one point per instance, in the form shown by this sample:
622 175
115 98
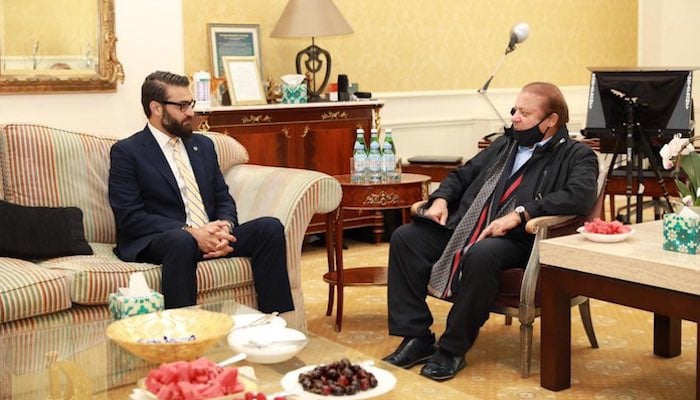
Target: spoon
232 360
263 320
262 342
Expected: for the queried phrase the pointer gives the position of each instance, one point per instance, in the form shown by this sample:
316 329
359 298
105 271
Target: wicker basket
144 335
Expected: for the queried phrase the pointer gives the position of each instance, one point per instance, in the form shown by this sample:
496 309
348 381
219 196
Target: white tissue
293 79
688 212
137 286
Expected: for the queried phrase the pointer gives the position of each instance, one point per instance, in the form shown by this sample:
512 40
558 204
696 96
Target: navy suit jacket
144 194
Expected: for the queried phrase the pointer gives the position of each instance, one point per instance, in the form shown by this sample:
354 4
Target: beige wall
418 45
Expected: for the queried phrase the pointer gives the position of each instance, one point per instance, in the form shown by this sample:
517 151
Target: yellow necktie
193 200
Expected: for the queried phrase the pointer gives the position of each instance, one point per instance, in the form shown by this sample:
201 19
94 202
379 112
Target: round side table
399 194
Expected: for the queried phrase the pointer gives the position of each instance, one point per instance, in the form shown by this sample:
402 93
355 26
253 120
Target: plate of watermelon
198 379
605 232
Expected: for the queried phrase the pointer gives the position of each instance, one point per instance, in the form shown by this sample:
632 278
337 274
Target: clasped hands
213 239
438 212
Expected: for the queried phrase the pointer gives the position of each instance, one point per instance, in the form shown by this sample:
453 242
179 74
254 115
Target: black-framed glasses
184 105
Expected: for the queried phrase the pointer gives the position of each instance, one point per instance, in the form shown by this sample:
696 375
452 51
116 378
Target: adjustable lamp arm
518 34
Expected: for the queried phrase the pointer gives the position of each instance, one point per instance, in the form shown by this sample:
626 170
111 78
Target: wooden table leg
331 219
340 275
667 336
697 368
555 353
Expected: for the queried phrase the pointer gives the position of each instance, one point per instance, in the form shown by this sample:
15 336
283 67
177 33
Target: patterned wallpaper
418 45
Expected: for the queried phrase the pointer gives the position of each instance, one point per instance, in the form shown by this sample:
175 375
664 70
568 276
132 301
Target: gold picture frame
243 80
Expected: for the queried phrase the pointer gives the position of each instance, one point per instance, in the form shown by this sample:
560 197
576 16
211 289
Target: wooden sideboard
316 136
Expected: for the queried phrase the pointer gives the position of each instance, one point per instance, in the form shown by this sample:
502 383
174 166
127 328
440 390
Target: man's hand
438 211
500 226
213 239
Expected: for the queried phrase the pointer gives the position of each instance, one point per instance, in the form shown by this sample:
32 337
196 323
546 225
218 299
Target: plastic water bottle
359 155
201 81
374 158
389 158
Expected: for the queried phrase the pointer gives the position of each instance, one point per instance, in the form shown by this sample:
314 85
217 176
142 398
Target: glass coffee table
78 362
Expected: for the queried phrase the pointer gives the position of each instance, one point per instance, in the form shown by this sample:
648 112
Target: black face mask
530 136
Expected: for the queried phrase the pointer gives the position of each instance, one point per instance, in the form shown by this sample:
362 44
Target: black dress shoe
443 366
410 352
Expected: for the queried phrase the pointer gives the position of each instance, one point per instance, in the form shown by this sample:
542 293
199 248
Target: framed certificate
233 40
243 80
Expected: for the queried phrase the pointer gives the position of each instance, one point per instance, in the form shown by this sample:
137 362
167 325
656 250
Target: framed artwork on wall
233 40
243 80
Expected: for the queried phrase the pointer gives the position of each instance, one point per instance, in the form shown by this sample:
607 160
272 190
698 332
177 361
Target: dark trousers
413 250
261 239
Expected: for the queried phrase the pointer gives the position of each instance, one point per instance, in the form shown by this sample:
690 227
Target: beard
182 129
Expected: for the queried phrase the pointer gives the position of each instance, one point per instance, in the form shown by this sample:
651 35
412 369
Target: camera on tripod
635 111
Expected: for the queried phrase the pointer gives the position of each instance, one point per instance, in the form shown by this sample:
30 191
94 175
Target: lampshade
311 18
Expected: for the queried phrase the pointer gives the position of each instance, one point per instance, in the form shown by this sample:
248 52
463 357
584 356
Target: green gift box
293 94
121 306
681 234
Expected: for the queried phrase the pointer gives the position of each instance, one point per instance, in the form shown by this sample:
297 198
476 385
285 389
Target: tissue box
681 234
121 306
293 94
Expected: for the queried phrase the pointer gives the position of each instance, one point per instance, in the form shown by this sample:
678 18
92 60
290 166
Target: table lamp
518 34
304 18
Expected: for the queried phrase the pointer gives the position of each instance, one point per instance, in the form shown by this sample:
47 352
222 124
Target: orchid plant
680 155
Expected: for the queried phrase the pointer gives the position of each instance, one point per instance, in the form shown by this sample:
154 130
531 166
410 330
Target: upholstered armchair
519 287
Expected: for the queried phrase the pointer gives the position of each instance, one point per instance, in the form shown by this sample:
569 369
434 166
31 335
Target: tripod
636 139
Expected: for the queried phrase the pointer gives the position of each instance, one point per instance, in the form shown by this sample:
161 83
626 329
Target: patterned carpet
623 368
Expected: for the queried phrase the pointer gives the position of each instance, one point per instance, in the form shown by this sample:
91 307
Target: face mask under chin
530 136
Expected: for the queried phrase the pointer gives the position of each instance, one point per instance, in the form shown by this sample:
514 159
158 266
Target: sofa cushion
93 278
49 167
41 232
27 290
42 166
228 150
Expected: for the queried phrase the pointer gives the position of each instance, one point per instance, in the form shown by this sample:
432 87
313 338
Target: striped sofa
42 166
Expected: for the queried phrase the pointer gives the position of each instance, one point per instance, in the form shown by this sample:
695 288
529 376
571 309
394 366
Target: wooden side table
371 197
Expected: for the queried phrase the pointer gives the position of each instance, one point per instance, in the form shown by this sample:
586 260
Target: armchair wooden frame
528 308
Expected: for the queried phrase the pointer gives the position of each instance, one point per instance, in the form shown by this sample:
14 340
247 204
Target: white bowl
240 342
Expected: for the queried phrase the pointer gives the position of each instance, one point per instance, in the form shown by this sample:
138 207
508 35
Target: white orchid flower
672 149
687 149
666 156
677 143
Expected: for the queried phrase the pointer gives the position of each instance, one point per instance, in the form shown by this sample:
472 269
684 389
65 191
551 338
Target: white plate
604 238
385 382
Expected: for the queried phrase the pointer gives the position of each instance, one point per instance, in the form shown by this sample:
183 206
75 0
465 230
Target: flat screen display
660 100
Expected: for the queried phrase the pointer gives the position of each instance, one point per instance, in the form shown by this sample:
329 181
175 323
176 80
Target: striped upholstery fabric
26 290
298 196
42 166
93 278
55 168
228 150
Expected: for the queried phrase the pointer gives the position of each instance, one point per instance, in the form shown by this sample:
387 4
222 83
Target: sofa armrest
291 195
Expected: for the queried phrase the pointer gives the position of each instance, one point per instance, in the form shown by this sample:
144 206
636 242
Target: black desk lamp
304 18
518 34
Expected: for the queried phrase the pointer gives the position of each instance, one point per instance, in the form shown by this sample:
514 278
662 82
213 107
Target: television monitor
663 104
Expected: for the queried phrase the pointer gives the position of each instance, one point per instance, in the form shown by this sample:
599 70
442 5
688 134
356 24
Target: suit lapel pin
195 148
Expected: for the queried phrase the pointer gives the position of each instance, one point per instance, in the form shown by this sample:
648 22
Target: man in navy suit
157 218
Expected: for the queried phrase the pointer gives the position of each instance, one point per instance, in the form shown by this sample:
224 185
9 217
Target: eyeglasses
184 105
